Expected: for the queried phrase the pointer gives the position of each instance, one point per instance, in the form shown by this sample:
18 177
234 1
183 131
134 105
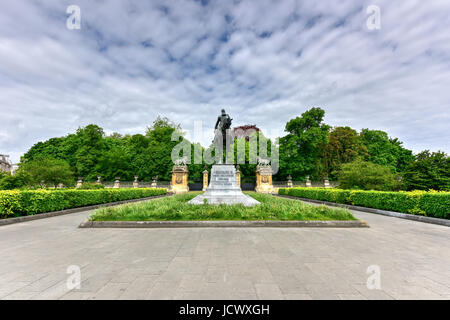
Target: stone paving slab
224 263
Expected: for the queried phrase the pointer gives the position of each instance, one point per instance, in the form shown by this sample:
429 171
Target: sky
265 62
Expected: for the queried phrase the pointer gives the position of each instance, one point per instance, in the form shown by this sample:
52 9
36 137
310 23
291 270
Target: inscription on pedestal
223 189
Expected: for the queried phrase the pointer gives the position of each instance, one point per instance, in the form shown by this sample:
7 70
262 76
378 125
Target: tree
344 145
58 148
366 175
88 154
9 181
386 151
115 162
428 171
47 172
246 155
300 148
157 158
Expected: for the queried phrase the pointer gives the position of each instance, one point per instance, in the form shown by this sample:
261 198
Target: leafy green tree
47 172
246 156
16 181
115 162
366 175
196 169
344 145
89 152
58 148
157 158
136 147
386 151
430 170
300 148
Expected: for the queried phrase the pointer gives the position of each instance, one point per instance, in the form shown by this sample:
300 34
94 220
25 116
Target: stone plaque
223 188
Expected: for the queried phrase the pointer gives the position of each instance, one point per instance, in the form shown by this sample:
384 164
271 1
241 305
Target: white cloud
264 61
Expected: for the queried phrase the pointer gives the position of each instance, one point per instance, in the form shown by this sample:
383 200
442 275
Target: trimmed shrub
393 201
21 203
434 204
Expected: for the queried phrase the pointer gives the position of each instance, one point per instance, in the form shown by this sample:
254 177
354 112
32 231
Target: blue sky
264 61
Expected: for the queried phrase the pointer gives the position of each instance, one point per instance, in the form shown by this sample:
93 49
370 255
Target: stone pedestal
154 182
223 188
117 183
79 183
289 182
238 177
205 180
326 183
179 183
264 179
308 182
135 182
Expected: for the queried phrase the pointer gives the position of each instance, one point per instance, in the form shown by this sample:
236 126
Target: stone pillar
117 183
135 182
264 179
180 175
154 182
238 176
79 182
308 182
205 180
289 181
326 183
99 179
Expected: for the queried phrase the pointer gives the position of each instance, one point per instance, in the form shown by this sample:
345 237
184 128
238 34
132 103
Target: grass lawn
177 208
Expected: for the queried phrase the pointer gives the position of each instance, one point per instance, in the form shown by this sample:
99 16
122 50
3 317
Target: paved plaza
224 263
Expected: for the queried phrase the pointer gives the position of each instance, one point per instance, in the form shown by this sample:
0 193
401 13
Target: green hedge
16 203
434 204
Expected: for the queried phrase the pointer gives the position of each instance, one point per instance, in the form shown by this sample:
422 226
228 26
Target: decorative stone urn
289 181
180 175
79 182
117 183
264 178
135 182
154 182
308 182
326 183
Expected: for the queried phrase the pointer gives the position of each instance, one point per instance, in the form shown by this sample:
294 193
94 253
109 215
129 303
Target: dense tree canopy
344 145
310 147
247 156
430 170
366 175
19 180
91 153
47 172
386 151
300 148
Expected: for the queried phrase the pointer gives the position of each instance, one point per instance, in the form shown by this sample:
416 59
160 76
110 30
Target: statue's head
223 111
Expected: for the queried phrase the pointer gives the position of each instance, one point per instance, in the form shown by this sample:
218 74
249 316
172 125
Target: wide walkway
413 259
